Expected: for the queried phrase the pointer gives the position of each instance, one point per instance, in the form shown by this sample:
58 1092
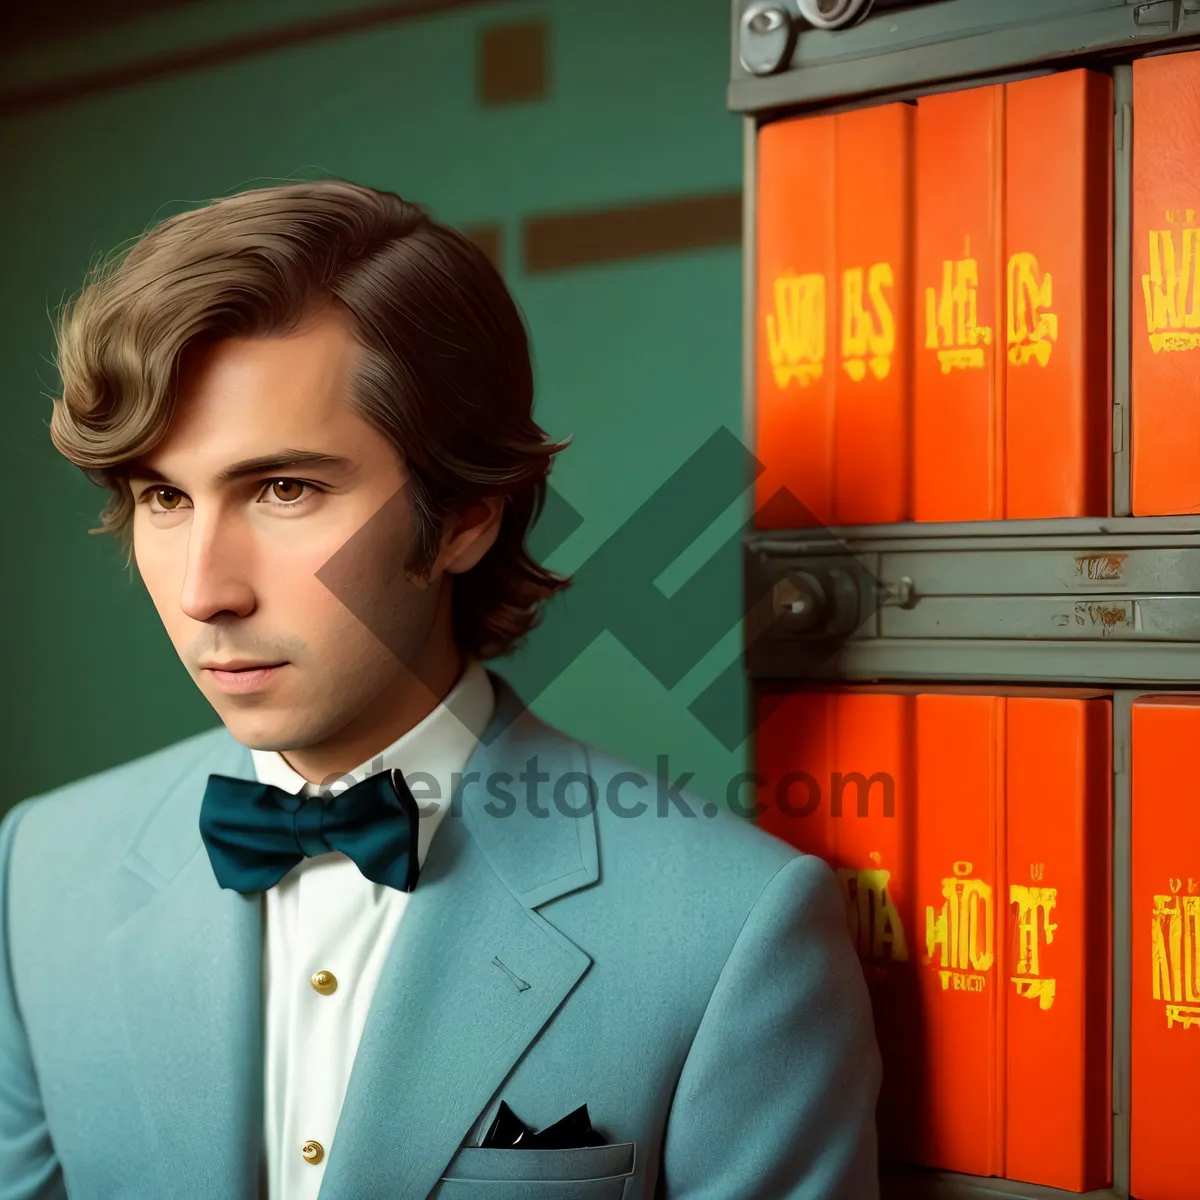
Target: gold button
313 1152
324 982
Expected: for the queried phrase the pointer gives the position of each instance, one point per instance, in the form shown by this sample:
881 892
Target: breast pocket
583 1173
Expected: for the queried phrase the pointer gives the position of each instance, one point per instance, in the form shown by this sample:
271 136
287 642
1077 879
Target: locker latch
897 593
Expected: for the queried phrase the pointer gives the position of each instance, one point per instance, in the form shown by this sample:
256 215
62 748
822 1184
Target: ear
472 535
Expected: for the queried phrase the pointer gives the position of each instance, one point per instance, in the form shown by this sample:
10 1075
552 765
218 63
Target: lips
245 679
239 664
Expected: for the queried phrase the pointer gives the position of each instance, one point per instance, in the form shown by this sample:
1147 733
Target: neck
384 720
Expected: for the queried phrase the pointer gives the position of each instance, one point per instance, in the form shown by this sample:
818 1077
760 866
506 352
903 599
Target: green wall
639 360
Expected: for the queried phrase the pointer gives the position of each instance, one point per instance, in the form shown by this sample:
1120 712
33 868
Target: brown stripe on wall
61 91
511 64
561 240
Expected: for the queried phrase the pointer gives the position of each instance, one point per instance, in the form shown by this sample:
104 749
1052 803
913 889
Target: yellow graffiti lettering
1031 329
1180 1014
1033 924
967 983
868 325
1031 901
1162 956
1041 990
875 925
796 329
960 934
1171 290
961 982
1175 951
952 328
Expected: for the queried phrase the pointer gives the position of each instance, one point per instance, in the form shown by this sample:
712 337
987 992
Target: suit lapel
473 975
187 971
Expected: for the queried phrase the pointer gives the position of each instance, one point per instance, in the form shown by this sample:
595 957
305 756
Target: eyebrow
263 464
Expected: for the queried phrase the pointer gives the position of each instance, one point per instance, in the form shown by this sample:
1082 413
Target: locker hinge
1120 759
1118 428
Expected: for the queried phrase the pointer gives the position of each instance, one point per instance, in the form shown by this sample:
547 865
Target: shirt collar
429 755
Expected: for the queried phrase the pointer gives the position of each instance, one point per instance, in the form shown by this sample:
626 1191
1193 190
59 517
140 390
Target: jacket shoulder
662 822
110 805
699 866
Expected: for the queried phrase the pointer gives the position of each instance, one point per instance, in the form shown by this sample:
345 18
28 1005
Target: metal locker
1098 589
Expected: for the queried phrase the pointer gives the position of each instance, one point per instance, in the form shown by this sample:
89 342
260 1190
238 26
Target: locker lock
765 37
799 599
832 598
821 602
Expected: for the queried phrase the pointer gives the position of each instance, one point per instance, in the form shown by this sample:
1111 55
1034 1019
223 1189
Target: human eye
290 493
163 499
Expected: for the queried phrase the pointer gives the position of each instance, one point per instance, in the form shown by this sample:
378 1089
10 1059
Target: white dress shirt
328 932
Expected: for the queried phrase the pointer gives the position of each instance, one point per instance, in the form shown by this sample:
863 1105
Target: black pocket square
508 1131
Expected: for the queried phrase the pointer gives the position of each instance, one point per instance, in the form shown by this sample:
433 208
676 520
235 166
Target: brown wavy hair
444 374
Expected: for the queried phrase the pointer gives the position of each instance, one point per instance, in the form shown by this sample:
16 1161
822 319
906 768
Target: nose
217 575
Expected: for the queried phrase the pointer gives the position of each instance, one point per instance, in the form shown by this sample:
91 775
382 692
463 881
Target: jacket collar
472 977
539 850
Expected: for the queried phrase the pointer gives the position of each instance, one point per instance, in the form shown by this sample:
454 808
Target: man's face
295 563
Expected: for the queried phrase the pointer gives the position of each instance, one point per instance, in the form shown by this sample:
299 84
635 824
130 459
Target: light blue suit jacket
690 979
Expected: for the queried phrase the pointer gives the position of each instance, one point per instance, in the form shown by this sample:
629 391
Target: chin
268 731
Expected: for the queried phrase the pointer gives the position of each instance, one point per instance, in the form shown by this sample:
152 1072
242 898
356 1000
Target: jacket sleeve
29 1168
776 1099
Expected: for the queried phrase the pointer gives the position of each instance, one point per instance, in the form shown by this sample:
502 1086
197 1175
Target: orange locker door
1058 295
793 755
1165 1045
794 315
872 395
872 807
1165 409
836 780
970 834
1058 1126
959 804
958 403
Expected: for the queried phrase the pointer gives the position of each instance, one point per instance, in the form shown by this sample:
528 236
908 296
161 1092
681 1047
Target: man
383 932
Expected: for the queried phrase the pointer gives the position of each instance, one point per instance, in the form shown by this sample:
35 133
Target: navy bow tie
255 833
